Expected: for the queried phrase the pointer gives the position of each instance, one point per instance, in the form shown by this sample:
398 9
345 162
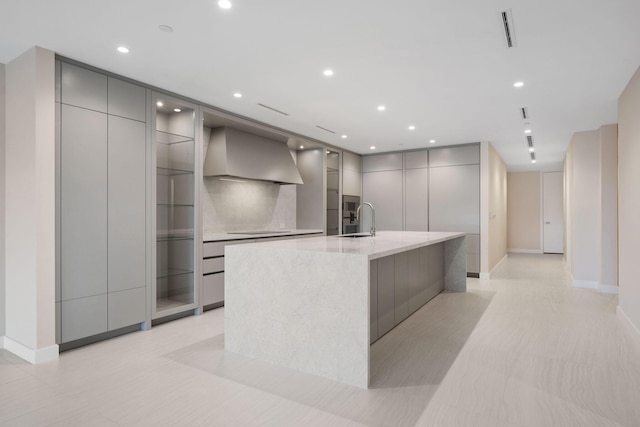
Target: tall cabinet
174 155
101 143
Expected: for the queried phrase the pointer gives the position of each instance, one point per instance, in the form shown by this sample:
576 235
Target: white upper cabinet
416 159
382 162
454 156
83 88
127 100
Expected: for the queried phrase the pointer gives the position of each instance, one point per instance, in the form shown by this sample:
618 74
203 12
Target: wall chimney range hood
237 154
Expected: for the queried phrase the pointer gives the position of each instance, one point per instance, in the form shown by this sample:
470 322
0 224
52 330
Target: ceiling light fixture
123 49
412 127
177 110
518 84
159 104
301 147
531 149
224 4
381 108
237 95
328 72
373 147
165 28
527 131
344 137
533 161
433 141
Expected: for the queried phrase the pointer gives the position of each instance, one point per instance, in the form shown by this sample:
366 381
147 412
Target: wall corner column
30 206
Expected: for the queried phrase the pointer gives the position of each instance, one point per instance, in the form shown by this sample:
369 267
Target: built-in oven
349 207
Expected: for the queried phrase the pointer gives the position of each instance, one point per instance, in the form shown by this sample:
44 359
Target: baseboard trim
487 276
588 284
524 251
625 319
30 355
608 289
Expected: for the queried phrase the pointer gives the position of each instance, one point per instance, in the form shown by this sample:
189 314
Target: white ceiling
440 65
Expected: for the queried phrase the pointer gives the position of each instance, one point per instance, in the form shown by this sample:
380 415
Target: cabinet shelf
172 272
172 172
169 138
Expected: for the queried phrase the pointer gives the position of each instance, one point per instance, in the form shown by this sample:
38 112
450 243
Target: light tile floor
523 349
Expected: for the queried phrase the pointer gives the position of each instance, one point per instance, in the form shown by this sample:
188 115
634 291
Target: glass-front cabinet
175 219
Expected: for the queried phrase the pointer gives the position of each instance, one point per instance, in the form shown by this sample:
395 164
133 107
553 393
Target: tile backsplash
249 205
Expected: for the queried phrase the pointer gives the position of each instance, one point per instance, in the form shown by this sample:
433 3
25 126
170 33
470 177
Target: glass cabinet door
175 208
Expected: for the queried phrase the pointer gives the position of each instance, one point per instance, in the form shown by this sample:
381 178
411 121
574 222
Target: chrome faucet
373 217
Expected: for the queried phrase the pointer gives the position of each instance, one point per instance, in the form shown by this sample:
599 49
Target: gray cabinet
416 199
83 216
454 198
126 100
384 190
401 287
455 156
386 295
351 174
417 280
102 204
126 204
83 88
382 162
373 300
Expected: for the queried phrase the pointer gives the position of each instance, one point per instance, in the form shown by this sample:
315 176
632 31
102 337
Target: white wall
2 204
585 221
609 207
497 208
493 209
629 200
30 206
523 211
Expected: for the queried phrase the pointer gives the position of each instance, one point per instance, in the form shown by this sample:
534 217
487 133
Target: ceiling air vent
325 129
509 30
533 156
524 113
530 140
273 109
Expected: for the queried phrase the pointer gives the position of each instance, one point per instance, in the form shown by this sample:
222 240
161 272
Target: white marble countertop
384 243
217 237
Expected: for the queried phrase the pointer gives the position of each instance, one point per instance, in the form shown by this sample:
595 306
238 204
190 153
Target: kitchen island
316 304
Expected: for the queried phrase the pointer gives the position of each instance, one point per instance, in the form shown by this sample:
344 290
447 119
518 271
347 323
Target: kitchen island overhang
307 304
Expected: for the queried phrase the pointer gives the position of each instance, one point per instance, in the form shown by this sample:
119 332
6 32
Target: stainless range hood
237 154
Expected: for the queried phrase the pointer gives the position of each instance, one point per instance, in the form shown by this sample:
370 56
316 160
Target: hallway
523 349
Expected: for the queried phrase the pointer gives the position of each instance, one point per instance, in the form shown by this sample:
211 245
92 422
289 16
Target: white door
552 205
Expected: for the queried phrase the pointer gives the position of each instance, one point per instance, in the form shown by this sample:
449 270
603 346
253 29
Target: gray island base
317 304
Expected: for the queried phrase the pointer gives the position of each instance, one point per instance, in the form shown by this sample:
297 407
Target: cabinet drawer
212 249
212 288
212 265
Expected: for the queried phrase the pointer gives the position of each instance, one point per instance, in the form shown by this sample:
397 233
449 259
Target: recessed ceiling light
301 147
159 104
344 137
412 127
533 161
527 131
123 49
165 28
518 84
224 4
381 108
531 149
433 141
237 95
373 147
177 110
328 152
328 72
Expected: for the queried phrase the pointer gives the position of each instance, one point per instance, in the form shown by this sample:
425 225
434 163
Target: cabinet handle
547 222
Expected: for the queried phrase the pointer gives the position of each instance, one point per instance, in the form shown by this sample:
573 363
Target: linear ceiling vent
273 109
533 156
524 113
509 29
325 129
530 140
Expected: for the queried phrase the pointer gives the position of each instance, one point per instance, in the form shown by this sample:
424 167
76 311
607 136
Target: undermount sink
260 232
356 235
